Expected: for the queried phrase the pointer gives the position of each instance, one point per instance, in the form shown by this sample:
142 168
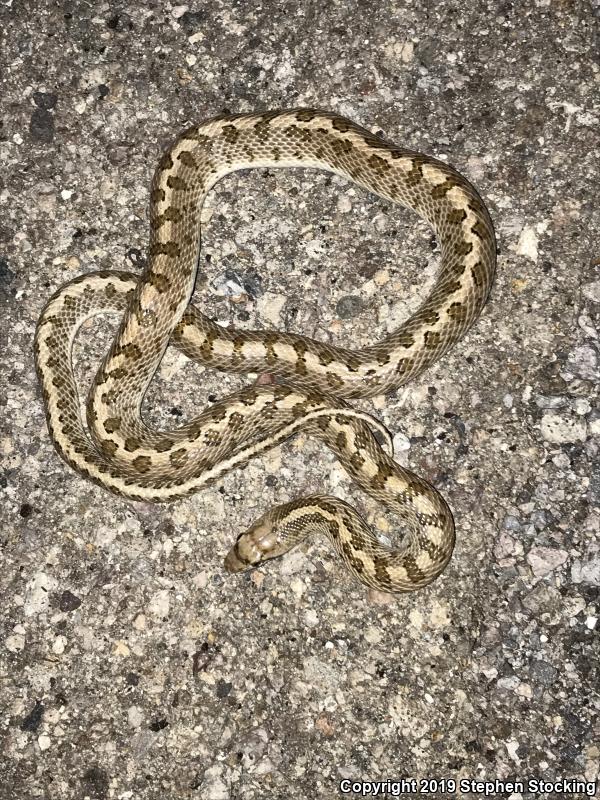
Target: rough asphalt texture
131 665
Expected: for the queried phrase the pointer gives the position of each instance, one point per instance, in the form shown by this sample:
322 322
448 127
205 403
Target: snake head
259 543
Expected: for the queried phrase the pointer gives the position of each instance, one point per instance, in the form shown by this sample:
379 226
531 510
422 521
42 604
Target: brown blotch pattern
430 317
384 357
379 165
142 464
164 445
179 481
262 130
404 339
333 380
322 423
301 135
187 159
108 448
415 574
112 424
441 190
116 374
176 183
457 311
352 362
452 286
382 575
325 358
212 438
193 134
340 124
385 471
299 409
69 302
413 487
267 116
342 146
131 351
238 345
206 348
479 229
432 338
160 282
329 508
371 140
230 133
357 461
217 413
300 348
172 214
356 539
169 248
248 397
426 544
269 341
178 458
463 248
236 420
415 175
280 391
476 275
356 563
405 365
305 115
195 429
165 163
457 216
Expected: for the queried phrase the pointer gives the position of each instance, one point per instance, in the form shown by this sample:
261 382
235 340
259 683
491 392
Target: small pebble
562 428
544 560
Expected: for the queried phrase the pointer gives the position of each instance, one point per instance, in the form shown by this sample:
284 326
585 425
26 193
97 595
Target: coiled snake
118 451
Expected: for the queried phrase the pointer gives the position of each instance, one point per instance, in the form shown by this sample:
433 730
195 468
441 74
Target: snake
310 383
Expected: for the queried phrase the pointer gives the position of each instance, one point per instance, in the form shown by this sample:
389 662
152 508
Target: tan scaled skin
120 452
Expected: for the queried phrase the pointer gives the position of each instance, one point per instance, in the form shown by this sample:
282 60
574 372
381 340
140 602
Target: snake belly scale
117 450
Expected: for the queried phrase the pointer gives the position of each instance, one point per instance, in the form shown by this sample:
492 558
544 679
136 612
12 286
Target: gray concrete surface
131 666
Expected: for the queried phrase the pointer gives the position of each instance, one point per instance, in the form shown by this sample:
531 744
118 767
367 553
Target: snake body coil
118 451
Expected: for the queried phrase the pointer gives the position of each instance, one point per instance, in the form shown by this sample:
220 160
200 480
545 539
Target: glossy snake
118 451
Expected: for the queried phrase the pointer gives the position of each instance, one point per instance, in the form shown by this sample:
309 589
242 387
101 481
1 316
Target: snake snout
257 544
